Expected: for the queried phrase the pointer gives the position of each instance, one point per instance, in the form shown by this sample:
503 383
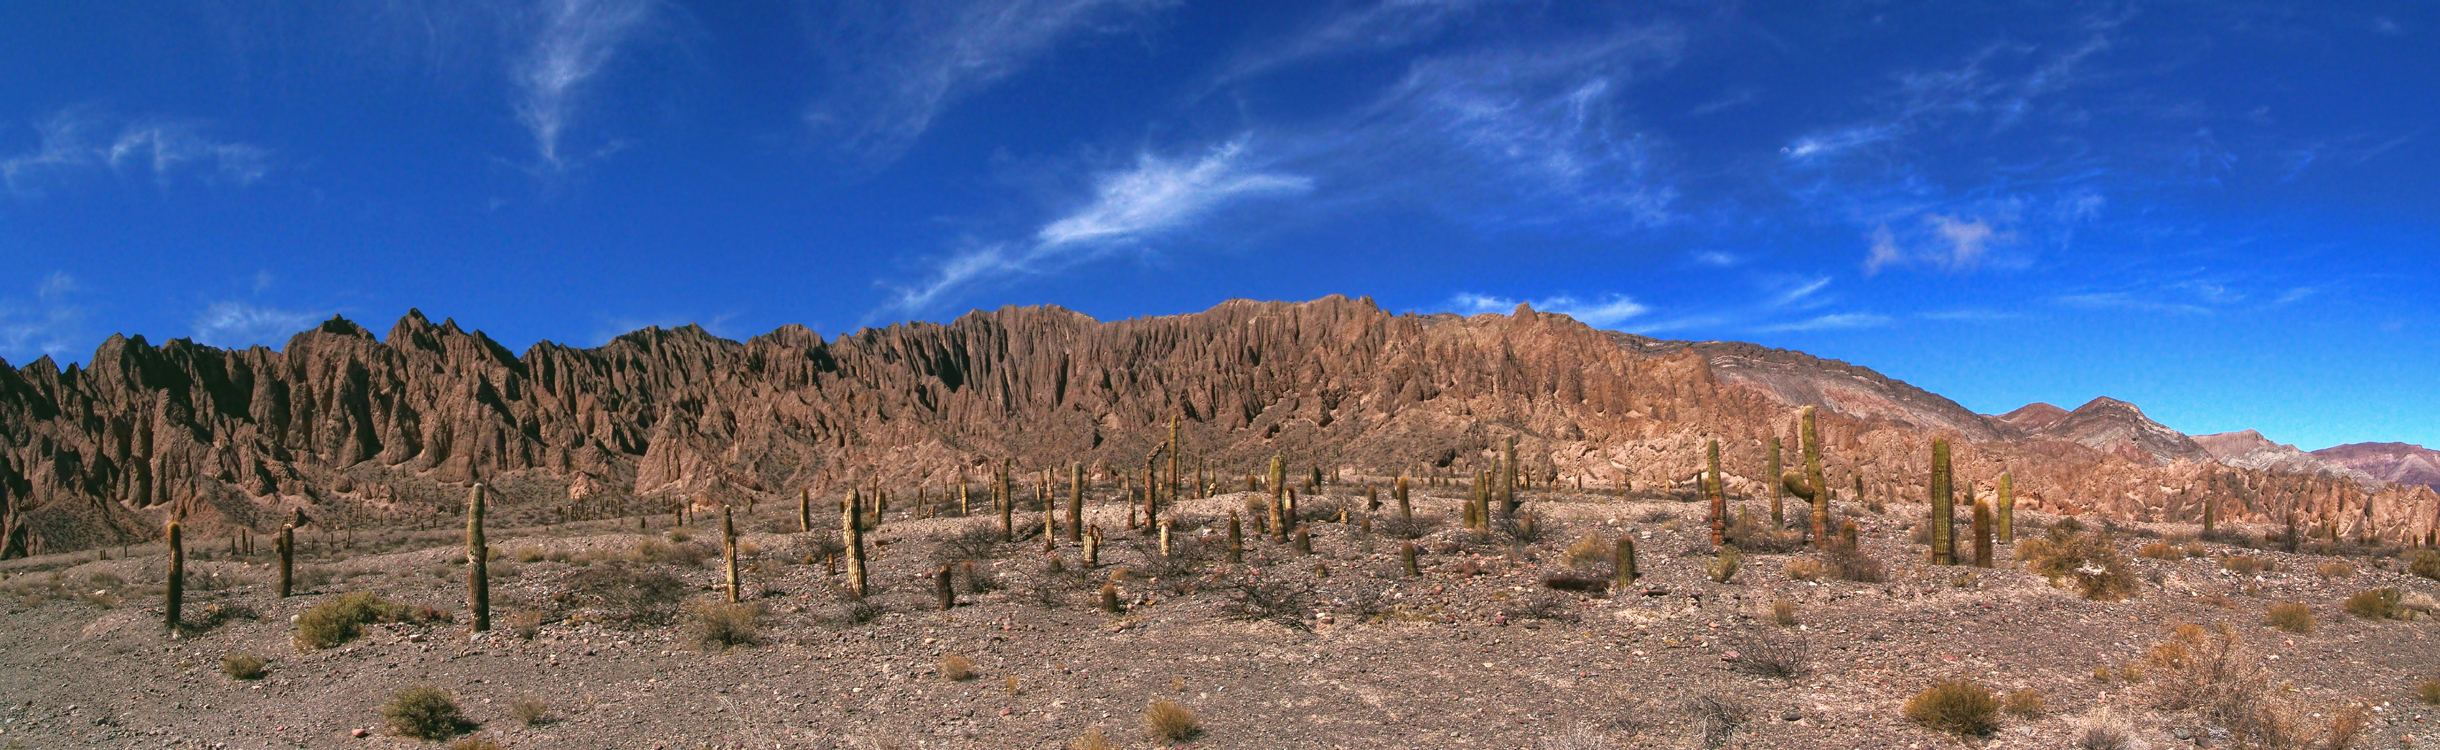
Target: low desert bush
2023 704
2209 670
242 666
341 618
1092 739
2428 692
2162 551
2293 617
628 593
722 626
2087 559
1756 534
1783 613
1716 716
678 551
1724 567
1589 551
1783 656
2426 563
2335 570
423 712
1169 722
525 624
2105 731
1959 707
955 668
1805 569
2244 565
529 711
529 554
475 742
1267 599
2377 604
978 540
1850 564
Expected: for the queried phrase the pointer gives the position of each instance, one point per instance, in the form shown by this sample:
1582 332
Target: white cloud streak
76 144
1832 322
897 66
573 41
1606 312
1128 208
51 324
232 324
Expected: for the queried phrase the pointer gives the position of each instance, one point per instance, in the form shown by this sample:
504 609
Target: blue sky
2224 212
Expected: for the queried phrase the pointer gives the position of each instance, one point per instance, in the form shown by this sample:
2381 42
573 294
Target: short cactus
174 595
1982 534
1406 556
1626 573
1944 543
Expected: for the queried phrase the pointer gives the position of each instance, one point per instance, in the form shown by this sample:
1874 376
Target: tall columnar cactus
1811 487
2007 509
1075 502
1152 487
175 595
1406 510
1771 469
478 565
1626 574
1176 482
1372 499
852 533
1406 556
1719 499
1005 497
944 587
1982 533
1295 518
1944 549
288 558
1164 527
965 499
2211 513
804 509
1092 547
1508 477
728 552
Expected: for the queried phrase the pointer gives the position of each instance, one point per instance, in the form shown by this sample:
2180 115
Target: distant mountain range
394 428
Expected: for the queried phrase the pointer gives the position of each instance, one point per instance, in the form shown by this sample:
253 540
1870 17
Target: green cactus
478 565
1406 556
1944 545
287 544
1982 534
1406 510
1771 469
728 552
1236 539
2007 510
175 594
1811 487
1626 573
1508 477
804 509
1719 499
851 534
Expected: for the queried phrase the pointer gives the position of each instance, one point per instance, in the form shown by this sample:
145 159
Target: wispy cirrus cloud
51 323
1129 208
1831 322
78 144
572 42
234 324
1607 311
894 67
1379 26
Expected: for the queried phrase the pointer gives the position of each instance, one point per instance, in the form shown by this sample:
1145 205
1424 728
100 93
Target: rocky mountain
2111 426
2248 449
366 429
2400 463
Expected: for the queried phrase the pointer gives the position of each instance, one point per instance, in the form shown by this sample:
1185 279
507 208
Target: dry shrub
2335 570
2090 560
1851 564
475 742
955 668
1406 528
529 711
2377 604
423 712
1805 569
2244 565
2428 692
242 666
1092 739
2209 670
2105 731
1169 722
678 551
1783 656
1716 716
525 624
2346 726
1589 551
1959 707
1756 534
2023 704
1724 567
628 593
529 554
2426 563
2293 617
1266 599
1783 613
342 618
721 626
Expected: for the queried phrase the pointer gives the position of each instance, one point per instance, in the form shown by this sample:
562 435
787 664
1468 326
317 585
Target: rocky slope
2248 449
363 429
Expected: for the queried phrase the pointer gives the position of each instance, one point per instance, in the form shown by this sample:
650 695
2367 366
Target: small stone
1729 655
2183 733
360 733
1791 716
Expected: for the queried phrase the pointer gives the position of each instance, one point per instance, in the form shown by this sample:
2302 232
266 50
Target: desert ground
600 637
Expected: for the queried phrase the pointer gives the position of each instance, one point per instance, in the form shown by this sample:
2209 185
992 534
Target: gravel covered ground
1477 652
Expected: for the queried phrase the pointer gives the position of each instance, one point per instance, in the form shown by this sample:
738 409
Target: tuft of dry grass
2162 551
2335 570
2428 692
2293 617
955 668
423 712
342 618
1588 551
1169 722
722 626
2426 563
525 624
1805 569
2377 604
2105 731
1959 707
475 742
2244 565
1783 613
1092 739
2087 559
2209 670
243 666
529 710
2023 704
